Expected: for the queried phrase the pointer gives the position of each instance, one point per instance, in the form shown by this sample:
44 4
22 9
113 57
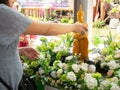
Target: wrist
20 50
76 28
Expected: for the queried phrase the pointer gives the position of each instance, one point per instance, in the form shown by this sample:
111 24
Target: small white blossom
90 81
41 71
53 74
25 66
78 86
114 23
76 68
60 65
115 80
99 58
105 83
100 88
65 66
57 49
69 58
71 76
59 72
84 67
94 56
114 87
88 75
112 64
92 68
52 82
66 87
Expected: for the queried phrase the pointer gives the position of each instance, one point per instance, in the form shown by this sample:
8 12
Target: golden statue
80 44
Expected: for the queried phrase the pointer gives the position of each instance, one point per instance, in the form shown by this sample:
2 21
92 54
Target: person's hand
81 28
29 52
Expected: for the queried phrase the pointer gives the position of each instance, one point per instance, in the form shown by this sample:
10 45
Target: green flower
51 45
44 48
34 64
97 75
109 57
104 51
30 72
113 45
58 55
43 39
63 78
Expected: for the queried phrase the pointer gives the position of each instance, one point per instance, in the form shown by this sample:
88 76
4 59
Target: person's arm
41 28
29 52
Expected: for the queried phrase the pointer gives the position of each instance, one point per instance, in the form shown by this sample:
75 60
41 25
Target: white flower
88 75
114 23
84 67
71 76
53 74
114 87
57 49
112 64
94 56
65 66
105 83
25 66
69 58
100 88
115 80
90 81
66 87
99 58
60 65
92 68
41 71
78 86
76 68
59 72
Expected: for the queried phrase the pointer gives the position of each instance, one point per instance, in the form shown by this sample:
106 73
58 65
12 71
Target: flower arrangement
58 67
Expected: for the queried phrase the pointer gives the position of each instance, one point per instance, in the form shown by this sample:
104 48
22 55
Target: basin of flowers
57 67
